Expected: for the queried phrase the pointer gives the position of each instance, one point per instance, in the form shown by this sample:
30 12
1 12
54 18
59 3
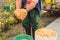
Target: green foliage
40 23
10 3
6 20
3 36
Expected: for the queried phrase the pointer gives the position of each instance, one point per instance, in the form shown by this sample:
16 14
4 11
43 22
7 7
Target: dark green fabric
31 19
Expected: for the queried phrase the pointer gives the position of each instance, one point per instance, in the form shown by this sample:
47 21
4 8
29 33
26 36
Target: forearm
18 4
31 5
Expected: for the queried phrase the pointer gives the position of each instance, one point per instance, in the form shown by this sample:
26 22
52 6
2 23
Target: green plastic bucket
23 37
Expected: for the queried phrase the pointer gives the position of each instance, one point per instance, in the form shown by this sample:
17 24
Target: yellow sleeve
49 1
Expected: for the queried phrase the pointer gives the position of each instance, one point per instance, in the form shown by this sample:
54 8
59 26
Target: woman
33 8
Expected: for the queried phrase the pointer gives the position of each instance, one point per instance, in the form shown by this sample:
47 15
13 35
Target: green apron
31 19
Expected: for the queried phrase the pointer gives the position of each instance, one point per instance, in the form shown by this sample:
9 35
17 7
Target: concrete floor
55 25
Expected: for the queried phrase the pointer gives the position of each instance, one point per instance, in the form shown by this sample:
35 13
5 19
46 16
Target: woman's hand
20 13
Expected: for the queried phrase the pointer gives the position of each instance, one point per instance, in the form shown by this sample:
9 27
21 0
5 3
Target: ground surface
55 25
13 31
17 29
46 20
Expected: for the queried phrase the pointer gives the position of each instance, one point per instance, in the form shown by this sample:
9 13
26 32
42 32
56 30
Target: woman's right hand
20 13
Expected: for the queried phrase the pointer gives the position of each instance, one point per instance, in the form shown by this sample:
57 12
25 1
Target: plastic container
45 34
22 37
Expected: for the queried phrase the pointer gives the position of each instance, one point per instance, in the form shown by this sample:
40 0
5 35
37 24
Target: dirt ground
46 20
13 31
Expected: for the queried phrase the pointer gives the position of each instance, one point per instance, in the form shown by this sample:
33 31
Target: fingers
20 13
